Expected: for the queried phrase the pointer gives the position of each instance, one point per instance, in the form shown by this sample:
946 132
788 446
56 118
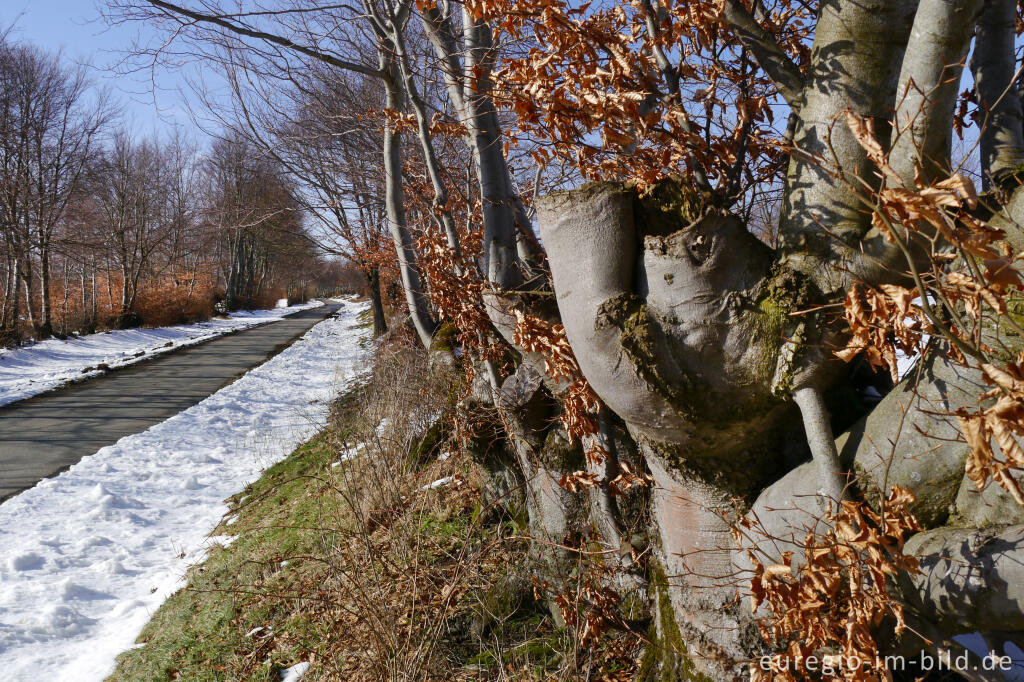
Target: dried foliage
966 277
832 605
590 609
884 322
580 403
456 287
643 89
1002 423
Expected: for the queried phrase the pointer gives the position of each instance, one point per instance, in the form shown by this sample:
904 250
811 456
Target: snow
30 370
88 556
439 483
905 363
348 454
294 673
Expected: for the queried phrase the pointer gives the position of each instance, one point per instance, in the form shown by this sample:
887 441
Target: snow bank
86 557
40 367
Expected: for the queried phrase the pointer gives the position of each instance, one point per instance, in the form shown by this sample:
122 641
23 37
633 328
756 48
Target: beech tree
323 132
708 344
50 123
684 362
255 220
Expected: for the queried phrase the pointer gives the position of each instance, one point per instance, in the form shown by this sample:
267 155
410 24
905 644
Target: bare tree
257 223
50 122
370 53
323 132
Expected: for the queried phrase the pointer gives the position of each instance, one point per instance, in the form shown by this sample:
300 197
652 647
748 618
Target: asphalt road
44 435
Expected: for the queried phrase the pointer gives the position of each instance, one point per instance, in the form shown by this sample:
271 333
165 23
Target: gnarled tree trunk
682 323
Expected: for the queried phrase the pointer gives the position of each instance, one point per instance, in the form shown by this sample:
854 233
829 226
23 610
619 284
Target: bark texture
928 87
682 323
676 316
995 70
394 201
855 63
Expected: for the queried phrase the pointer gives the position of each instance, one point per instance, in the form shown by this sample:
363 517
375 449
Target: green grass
201 632
493 627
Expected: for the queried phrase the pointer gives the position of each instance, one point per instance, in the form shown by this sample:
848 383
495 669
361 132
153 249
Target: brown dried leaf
863 131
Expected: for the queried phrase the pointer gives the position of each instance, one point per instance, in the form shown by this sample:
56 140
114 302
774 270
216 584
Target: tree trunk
442 211
405 249
12 320
469 88
545 454
380 324
85 298
8 290
855 63
691 359
26 279
125 290
45 328
994 69
929 85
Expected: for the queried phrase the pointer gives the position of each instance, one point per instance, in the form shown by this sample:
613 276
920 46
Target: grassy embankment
339 557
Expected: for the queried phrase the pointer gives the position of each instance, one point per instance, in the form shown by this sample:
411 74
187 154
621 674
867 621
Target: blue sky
75 27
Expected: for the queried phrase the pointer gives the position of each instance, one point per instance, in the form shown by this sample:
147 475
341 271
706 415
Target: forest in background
101 227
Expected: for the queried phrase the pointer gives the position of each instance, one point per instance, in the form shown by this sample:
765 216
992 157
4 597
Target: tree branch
267 37
832 477
779 67
928 87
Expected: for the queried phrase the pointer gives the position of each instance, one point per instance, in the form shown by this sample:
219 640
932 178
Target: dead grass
345 557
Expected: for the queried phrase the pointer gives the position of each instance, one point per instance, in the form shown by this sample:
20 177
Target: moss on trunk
666 657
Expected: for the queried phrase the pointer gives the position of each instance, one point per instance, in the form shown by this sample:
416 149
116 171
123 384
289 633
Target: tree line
102 227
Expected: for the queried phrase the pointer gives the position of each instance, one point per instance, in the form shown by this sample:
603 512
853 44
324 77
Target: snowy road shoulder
30 370
86 557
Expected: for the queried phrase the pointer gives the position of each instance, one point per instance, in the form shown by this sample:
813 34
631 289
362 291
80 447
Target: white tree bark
994 66
405 248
